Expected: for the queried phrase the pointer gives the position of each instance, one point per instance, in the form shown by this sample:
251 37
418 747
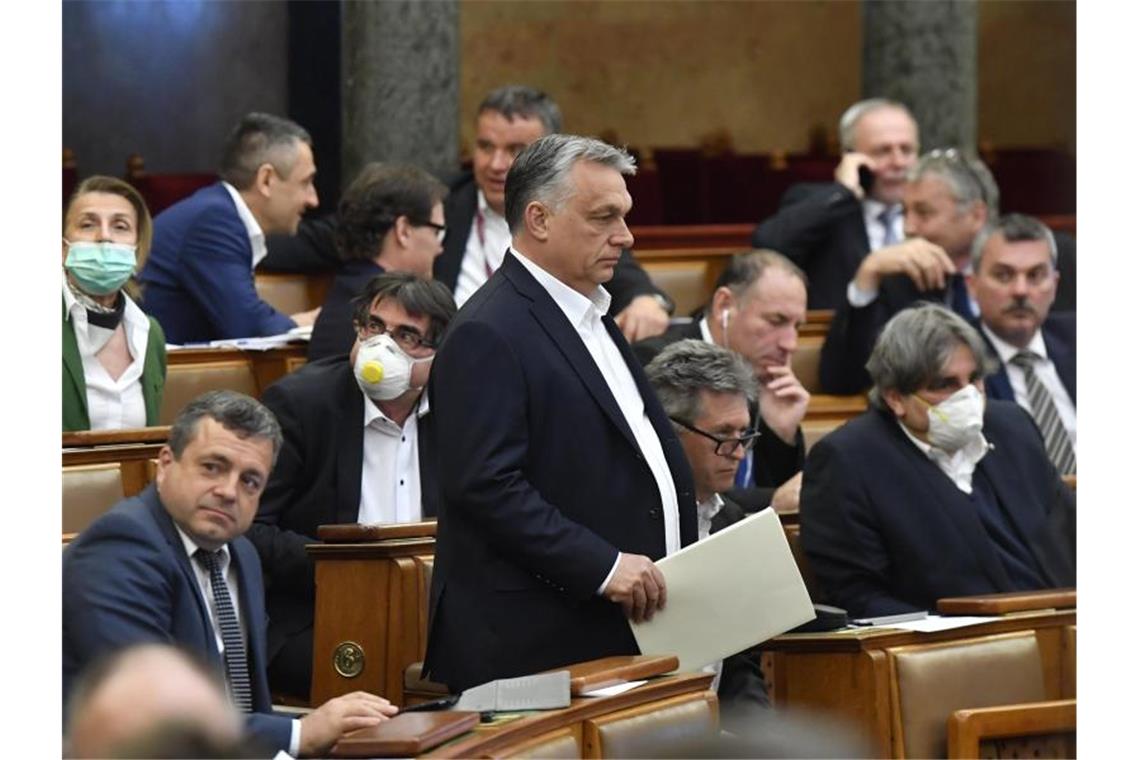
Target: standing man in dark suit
706 391
509 119
199 275
1014 283
170 566
935 491
561 479
356 450
756 310
827 229
390 219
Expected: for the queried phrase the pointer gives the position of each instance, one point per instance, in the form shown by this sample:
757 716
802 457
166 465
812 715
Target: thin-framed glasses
724 446
407 338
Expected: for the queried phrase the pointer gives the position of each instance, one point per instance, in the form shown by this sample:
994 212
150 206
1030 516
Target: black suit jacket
773 461
1059 331
333 334
316 481
629 280
820 227
127 580
542 485
886 531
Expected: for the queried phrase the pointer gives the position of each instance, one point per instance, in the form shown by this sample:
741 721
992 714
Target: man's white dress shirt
487 244
252 228
390 473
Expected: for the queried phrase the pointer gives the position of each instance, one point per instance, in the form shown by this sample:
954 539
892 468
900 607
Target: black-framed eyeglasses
440 229
407 338
724 446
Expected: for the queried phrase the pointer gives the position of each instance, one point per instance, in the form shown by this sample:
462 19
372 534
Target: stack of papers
543 691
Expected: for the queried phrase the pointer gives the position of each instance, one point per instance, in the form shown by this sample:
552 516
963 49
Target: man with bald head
828 228
138 694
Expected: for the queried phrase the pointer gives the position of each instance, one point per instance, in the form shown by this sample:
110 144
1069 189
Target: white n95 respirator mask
957 420
383 371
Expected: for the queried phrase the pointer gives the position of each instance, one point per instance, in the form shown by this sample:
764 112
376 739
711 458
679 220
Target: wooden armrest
1014 601
355 533
84 438
965 729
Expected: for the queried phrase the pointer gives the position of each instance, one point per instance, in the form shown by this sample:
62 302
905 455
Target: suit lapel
953 503
429 493
1064 360
554 322
178 549
350 449
459 214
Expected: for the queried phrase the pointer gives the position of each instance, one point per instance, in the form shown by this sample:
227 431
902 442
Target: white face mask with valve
957 420
383 371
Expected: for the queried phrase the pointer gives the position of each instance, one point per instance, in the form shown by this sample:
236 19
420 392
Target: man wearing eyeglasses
358 448
756 310
705 390
390 219
948 198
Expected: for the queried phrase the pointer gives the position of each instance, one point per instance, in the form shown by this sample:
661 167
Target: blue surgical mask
99 268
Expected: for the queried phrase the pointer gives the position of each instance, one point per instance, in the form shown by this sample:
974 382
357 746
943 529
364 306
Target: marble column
925 54
400 84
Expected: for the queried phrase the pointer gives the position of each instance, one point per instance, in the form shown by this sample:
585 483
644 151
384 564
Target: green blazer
75 387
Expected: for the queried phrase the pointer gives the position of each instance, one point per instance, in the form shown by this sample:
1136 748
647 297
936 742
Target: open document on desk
733 590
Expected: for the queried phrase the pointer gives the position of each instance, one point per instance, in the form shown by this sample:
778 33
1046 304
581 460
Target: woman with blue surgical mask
114 356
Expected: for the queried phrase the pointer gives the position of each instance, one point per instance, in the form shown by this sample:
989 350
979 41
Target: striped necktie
1044 411
237 669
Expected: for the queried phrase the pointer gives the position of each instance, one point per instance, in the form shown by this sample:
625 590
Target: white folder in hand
733 590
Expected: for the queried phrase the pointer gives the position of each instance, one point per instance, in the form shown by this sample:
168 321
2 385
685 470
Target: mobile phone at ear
866 178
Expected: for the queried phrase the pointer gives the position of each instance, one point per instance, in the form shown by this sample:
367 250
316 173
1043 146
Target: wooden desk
573 722
268 366
844 674
370 620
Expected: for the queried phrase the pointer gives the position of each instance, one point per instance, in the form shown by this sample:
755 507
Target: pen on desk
905 617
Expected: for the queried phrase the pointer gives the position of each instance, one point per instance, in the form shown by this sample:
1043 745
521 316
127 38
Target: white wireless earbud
724 319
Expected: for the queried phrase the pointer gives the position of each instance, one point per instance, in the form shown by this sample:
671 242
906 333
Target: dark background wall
167 79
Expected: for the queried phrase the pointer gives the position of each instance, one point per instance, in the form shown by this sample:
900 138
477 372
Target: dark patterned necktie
1044 411
237 669
887 218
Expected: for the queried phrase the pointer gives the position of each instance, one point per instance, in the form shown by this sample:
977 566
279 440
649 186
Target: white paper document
613 691
733 590
933 623
541 691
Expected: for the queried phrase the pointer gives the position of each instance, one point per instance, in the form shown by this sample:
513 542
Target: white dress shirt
230 574
706 511
1046 373
252 228
111 404
585 315
487 244
390 473
960 465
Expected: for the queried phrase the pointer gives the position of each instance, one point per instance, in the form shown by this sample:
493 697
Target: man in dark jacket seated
934 491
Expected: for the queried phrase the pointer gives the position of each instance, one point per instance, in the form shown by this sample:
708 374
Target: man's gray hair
850 118
515 101
541 170
967 177
685 368
260 138
744 269
914 347
236 412
1015 228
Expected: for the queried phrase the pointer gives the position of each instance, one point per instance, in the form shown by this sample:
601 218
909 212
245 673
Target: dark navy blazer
198 277
542 483
127 580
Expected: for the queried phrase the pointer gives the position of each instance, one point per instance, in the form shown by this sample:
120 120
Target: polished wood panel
506 739
968 729
1014 601
845 673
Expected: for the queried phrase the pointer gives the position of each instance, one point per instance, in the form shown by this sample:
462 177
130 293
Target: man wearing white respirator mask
357 449
935 491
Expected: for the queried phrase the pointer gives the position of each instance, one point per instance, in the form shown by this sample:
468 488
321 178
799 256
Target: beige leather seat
931 681
288 293
185 382
89 490
805 362
686 282
652 730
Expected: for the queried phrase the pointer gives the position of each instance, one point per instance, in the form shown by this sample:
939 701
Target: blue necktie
887 217
743 477
233 648
960 297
